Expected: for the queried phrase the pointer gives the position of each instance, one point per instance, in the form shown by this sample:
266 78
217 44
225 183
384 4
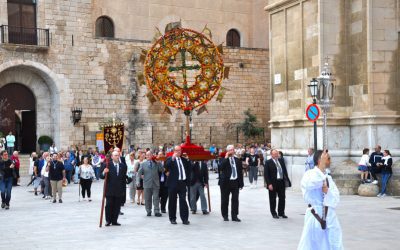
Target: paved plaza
34 223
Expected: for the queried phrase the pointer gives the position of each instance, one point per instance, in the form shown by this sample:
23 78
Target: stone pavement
34 223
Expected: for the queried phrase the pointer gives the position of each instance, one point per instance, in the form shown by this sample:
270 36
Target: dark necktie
180 168
233 168
278 165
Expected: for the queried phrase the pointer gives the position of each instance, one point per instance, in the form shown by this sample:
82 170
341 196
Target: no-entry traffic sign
312 112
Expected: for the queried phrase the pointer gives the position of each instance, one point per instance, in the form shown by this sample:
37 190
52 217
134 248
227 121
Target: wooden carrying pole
104 196
209 200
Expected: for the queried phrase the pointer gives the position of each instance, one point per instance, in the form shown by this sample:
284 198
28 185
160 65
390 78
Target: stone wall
100 76
137 19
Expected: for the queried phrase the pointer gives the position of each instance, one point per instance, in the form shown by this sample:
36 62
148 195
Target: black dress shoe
275 216
193 212
163 211
173 222
121 213
205 212
157 215
116 224
236 219
283 216
108 224
148 214
226 219
186 222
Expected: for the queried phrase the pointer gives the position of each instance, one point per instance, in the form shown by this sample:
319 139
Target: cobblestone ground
34 223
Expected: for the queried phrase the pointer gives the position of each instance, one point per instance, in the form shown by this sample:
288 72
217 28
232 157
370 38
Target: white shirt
234 169
44 172
179 163
364 161
278 165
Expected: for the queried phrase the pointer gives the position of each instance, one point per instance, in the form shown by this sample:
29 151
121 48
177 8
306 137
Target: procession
227 124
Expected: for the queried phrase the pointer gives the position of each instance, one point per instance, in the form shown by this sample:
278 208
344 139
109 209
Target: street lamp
75 118
325 96
76 115
314 92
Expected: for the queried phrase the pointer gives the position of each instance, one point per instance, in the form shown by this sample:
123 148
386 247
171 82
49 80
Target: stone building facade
361 38
78 69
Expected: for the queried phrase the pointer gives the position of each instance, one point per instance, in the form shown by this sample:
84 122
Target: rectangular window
22 21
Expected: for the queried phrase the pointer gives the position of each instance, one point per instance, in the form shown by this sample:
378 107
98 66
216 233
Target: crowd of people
153 180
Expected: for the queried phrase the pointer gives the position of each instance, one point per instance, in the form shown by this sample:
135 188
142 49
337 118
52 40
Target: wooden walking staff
209 199
104 195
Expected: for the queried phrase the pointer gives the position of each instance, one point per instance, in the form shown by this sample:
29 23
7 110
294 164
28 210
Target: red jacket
16 161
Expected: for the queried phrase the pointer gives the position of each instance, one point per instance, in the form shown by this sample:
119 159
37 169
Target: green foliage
45 139
248 127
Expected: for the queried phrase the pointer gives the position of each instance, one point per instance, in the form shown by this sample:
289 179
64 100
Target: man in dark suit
277 179
178 172
163 185
116 183
198 180
230 181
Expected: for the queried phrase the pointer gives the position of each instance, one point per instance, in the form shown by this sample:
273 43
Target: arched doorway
18 115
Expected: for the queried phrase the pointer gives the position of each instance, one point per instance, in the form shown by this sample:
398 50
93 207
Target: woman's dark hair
387 152
317 157
365 151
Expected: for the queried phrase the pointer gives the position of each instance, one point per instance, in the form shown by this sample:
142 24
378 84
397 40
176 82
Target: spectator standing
363 165
68 165
87 175
6 179
198 180
10 139
17 164
310 159
96 163
57 175
253 163
130 164
53 149
386 166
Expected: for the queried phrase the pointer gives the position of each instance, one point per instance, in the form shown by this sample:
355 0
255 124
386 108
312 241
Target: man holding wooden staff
116 183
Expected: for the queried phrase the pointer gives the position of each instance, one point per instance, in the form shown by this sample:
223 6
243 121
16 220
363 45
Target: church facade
360 40
59 55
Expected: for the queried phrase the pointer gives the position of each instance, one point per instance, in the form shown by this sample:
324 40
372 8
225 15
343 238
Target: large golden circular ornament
184 69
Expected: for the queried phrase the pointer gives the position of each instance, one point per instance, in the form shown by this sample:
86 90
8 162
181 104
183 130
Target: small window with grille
233 38
104 27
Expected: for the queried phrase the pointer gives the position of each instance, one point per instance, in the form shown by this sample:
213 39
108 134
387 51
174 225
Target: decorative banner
113 136
183 69
226 72
167 110
100 141
201 110
151 98
206 31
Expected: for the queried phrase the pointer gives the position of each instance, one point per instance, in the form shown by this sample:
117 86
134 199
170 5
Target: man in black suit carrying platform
177 169
230 181
277 179
116 183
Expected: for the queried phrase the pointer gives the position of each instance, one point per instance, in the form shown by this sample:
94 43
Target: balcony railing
26 36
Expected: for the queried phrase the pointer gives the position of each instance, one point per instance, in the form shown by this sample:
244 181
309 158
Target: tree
248 127
4 121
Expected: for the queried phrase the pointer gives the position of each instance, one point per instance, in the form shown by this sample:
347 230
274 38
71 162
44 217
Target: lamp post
325 96
75 118
314 92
